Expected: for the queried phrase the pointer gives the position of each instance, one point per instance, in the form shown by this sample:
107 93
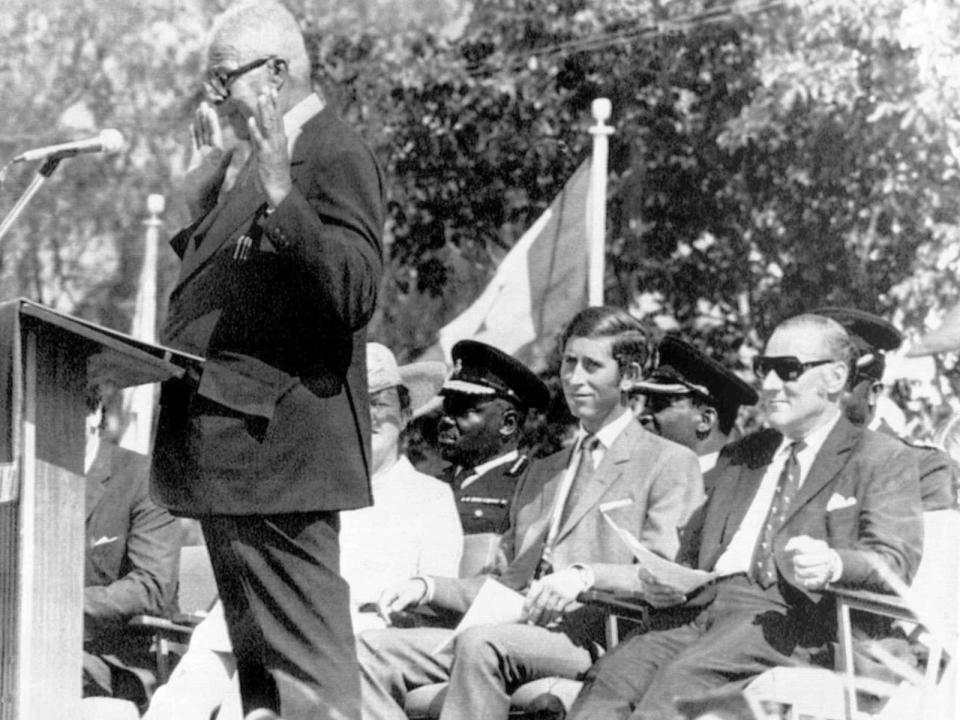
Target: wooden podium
47 361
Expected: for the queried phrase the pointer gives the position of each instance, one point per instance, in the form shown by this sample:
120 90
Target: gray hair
264 27
838 343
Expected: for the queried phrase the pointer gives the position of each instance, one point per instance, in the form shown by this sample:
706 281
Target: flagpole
139 401
597 202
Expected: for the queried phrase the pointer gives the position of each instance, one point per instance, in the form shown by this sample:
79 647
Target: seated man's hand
658 594
814 562
396 599
550 596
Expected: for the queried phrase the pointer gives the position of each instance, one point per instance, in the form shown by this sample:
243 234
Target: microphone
108 141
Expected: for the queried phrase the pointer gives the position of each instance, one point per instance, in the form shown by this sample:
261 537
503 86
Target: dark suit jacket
660 478
861 496
132 550
277 418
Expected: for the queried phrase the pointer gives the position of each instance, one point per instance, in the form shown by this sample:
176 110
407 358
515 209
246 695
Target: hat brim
423 381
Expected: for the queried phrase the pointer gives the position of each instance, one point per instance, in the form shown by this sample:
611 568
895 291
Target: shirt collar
814 439
611 431
298 116
496 462
708 461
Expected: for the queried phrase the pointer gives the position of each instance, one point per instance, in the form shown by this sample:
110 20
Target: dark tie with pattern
763 568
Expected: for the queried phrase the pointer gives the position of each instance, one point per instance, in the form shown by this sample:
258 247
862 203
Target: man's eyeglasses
787 367
218 82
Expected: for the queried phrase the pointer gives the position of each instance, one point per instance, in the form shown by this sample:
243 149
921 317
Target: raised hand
269 142
208 162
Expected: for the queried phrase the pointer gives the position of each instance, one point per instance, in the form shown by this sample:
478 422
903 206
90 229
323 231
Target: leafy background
768 157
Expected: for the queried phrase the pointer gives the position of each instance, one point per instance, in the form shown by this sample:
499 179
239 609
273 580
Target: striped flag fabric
538 287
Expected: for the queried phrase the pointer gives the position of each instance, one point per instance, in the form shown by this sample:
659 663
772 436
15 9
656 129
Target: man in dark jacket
268 439
130 568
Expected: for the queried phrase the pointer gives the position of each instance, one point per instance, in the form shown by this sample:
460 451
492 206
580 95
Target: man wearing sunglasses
812 501
693 400
268 439
873 337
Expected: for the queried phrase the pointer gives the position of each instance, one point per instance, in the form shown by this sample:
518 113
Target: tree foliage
765 161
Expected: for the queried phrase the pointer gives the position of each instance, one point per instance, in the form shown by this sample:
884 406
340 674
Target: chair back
479 553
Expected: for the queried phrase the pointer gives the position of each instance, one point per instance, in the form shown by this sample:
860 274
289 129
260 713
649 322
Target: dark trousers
744 631
288 612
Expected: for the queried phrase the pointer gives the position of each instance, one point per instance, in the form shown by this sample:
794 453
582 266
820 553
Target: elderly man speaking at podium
268 439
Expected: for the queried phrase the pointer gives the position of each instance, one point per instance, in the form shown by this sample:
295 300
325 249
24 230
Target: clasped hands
546 600
209 160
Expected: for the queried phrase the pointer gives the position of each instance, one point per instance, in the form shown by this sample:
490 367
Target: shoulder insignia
519 465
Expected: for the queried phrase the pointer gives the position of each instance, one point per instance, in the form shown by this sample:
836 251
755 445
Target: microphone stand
45 171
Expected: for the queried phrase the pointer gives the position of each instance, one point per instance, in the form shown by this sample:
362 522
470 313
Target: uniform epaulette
519 465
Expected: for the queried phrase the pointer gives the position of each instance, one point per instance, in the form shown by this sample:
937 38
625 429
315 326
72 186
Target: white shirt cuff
430 585
587 574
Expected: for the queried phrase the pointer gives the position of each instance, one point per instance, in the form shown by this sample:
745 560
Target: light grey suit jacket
659 477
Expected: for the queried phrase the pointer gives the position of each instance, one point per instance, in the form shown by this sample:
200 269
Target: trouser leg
395 661
491 662
287 611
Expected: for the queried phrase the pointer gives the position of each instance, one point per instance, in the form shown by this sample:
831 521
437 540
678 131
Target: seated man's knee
479 647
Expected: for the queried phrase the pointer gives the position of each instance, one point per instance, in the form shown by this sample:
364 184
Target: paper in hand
494 604
682 578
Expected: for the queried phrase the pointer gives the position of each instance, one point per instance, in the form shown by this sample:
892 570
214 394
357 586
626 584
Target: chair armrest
151 623
629 606
891 606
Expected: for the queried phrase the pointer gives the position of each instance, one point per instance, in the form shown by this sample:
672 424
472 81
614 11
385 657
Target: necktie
584 470
764 569
582 478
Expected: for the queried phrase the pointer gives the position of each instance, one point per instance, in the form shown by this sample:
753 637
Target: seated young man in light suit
558 544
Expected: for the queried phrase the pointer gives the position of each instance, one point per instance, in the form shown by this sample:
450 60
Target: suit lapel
828 463
536 532
97 477
241 205
629 442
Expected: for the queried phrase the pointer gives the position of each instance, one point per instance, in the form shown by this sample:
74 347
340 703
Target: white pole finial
601 109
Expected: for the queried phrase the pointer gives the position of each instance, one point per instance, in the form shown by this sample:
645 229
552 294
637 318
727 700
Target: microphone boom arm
45 171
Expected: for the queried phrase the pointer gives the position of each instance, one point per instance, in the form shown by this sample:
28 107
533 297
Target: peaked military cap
683 370
871 335
481 369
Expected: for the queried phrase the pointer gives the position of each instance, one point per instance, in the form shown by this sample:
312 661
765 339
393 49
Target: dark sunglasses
787 367
218 82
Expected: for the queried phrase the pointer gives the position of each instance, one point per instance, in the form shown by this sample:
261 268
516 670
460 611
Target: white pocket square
838 502
104 540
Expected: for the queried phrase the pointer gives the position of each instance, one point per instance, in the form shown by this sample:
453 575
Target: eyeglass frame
796 369
226 79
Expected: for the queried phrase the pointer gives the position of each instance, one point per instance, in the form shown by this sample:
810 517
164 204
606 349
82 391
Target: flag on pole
538 287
